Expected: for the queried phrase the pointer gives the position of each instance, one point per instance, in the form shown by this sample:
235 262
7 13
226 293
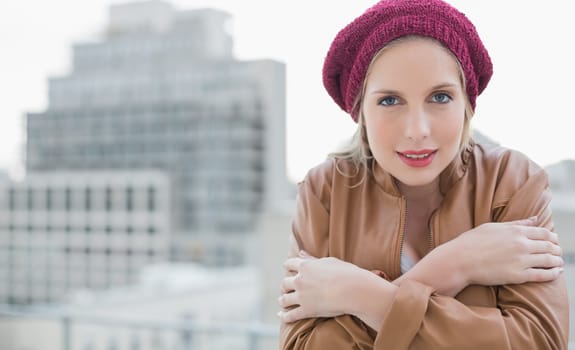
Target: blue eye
389 101
441 98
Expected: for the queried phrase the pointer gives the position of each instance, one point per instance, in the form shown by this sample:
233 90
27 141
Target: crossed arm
328 295
508 253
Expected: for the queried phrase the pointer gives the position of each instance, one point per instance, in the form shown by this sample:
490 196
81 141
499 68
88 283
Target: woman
416 237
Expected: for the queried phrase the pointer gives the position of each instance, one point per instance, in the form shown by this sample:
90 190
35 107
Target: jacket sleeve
310 232
527 316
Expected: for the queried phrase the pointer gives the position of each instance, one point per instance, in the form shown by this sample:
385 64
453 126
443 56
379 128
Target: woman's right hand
491 254
508 253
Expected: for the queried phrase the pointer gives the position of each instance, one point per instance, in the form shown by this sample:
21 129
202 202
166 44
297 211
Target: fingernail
280 314
303 253
533 218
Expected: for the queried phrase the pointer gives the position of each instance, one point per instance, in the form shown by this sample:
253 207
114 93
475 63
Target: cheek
451 130
371 129
380 135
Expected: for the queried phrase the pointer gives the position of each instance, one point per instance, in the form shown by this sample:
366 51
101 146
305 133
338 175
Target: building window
68 199
88 199
151 198
30 199
12 199
48 199
129 199
108 199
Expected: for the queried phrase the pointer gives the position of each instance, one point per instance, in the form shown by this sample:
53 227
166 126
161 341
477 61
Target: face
414 110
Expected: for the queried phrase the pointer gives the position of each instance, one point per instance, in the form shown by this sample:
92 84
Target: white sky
527 106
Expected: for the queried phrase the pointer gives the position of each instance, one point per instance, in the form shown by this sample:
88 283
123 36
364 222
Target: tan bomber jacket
362 222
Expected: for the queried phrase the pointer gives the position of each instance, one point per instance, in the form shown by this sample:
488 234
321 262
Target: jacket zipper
431 241
402 231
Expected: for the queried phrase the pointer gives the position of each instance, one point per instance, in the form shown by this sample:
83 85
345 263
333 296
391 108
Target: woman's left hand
317 287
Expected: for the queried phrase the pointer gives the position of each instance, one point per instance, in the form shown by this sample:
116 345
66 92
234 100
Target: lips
417 158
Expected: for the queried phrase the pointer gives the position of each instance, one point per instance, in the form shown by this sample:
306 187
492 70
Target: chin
417 183
416 180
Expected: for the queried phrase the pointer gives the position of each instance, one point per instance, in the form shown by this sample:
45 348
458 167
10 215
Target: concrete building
66 231
172 306
562 178
162 90
562 185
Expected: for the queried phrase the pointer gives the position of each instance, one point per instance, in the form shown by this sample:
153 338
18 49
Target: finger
292 264
543 275
525 222
288 300
292 315
288 284
291 273
542 234
544 261
544 247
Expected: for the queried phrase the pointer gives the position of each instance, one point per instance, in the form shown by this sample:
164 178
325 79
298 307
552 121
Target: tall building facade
64 231
162 90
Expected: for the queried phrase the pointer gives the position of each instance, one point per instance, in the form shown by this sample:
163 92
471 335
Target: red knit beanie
355 45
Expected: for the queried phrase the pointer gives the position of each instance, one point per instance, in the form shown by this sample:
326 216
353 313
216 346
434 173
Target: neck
427 191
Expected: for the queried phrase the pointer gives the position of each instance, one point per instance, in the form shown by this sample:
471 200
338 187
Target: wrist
457 267
442 269
372 300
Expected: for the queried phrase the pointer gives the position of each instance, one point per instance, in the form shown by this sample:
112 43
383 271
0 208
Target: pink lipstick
417 159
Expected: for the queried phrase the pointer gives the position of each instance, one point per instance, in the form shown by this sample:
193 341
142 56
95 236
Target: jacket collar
448 177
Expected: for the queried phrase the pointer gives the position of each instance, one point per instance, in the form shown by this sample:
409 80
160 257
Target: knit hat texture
353 48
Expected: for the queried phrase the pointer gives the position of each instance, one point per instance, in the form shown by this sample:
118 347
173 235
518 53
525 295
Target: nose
417 124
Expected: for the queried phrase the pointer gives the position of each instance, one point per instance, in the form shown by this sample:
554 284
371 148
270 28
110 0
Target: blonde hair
357 150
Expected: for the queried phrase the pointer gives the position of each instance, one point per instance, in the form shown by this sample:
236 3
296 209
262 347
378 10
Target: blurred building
272 246
171 306
562 185
562 178
162 90
66 231
4 176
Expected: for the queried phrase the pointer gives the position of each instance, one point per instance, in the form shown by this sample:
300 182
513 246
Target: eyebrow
395 92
